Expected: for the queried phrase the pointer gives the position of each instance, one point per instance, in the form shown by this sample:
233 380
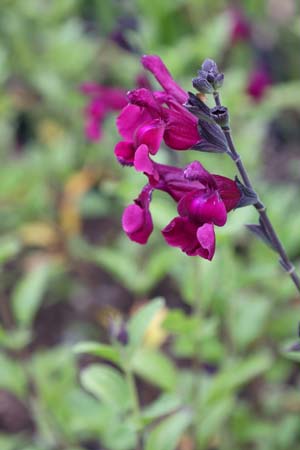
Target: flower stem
260 207
135 403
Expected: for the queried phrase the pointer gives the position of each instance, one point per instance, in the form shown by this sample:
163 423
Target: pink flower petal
151 134
258 83
137 220
228 191
132 219
202 207
145 99
196 172
124 152
184 234
93 130
155 65
181 130
90 88
130 118
206 239
142 162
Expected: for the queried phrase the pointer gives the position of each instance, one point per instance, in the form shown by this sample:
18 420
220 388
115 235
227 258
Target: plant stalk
259 205
135 402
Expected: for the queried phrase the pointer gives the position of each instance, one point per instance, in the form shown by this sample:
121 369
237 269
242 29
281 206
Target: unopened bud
119 332
209 78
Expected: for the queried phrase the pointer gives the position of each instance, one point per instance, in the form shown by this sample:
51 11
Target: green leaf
165 404
155 367
9 247
15 339
293 355
28 294
180 323
12 376
138 323
120 435
212 418
167 434
108 385
247 317
236 375
95 348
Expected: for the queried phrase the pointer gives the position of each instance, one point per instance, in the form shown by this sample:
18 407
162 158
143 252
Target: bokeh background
213 358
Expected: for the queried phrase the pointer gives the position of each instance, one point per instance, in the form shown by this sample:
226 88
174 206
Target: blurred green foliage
205 366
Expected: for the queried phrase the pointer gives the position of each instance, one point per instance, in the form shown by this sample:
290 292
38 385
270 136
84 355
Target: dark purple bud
209 78
294 347
209 65
122 335
218 82
119 332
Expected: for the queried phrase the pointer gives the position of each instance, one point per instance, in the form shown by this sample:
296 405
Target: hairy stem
260 207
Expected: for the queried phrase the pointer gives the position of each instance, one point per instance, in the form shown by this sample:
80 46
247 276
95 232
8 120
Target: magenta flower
240 26
102 101
258 83
203 200
152 117
137 220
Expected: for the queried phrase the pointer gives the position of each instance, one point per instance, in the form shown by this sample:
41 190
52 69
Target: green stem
135 400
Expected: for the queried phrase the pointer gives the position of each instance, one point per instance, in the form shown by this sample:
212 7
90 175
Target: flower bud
209 78
209 65
119 332
202 85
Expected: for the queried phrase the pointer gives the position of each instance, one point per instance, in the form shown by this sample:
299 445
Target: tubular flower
203 200
258 83
102 101
240 26
155 116
137 220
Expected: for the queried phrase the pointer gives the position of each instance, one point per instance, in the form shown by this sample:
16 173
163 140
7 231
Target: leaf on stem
248 195
107 385
104 351
167 434
261 233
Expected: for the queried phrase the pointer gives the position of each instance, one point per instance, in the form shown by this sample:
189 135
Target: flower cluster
203 199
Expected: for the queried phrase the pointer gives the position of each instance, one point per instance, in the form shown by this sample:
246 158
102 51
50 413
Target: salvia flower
258 83
203 201
240 26
153 117
102 101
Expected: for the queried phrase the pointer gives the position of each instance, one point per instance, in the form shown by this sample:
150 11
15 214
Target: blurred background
68 272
